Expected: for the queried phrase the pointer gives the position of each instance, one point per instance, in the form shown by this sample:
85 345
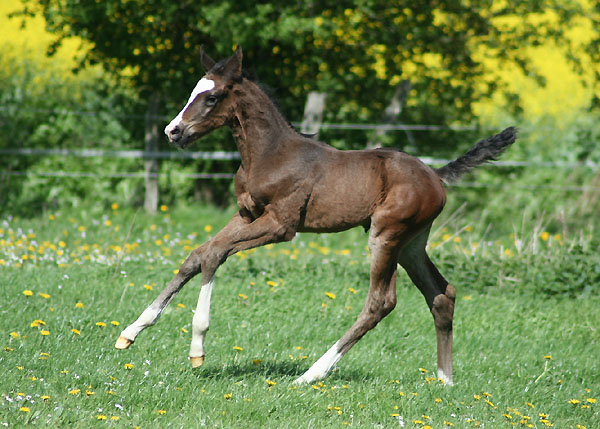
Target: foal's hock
288 183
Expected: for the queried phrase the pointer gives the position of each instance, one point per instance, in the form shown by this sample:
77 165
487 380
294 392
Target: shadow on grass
275 369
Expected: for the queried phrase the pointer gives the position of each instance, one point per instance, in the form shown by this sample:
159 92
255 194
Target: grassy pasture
526 329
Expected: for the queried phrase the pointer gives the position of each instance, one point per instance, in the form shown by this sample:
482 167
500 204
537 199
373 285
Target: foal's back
349 187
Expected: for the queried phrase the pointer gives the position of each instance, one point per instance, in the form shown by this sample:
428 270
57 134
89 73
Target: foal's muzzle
174 133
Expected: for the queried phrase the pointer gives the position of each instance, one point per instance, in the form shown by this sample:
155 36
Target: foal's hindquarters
410 198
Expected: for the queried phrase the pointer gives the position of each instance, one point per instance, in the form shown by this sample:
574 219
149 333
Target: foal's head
210 105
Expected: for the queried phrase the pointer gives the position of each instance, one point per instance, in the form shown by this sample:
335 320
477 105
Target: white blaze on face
203 85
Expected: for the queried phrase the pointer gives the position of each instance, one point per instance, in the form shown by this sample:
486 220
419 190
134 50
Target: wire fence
229 156
233 156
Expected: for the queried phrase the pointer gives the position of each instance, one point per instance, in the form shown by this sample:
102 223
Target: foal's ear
233 66
206 61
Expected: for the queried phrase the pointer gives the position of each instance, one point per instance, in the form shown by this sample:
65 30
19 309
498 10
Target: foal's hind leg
380 301
440 297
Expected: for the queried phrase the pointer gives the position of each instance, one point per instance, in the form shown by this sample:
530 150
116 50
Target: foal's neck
258 126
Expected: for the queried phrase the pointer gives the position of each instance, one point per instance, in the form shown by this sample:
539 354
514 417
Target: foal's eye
211 100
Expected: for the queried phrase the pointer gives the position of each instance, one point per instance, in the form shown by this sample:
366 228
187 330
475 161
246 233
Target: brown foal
288 183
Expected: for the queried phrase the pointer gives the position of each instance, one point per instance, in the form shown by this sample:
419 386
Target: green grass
526 329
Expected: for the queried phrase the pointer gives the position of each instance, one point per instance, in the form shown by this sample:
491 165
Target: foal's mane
268 91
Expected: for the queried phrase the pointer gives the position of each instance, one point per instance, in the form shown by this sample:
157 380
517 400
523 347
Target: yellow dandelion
574 401
75 392
107 222
423 370
101 417
241 295
90 392
14 334
148 287
114 206
490 403
161 412
45 397
183 330
27 292
351 290
44 332
271 383
24 409
164 208
257 361
37 323
447 423
228 395
238 348
115 323
544 236
79 305
591 400
438 400
548 357
44 295
272 283
330 295
115 418
208 228
181 305
101 324
128 366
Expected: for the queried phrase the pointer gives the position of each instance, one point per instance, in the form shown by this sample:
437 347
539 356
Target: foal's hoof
197 361
123 343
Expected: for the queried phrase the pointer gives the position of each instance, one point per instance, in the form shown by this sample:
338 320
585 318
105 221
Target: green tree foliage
356 51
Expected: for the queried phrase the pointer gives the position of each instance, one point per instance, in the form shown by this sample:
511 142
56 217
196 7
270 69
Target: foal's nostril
175 133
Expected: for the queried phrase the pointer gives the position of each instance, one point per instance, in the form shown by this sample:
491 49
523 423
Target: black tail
484 151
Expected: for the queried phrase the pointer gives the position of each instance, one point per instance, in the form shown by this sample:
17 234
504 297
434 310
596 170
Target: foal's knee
443 309
381 308
193 264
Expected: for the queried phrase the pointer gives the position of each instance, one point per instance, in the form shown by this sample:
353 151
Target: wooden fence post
151 164
313 113
392 112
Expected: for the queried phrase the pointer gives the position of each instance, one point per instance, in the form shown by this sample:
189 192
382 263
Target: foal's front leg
191 267
239 234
